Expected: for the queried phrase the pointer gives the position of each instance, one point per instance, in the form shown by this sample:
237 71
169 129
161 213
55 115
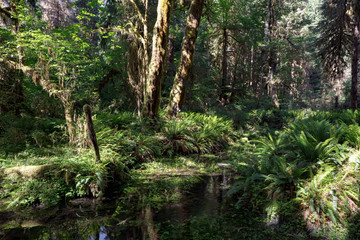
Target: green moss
27 171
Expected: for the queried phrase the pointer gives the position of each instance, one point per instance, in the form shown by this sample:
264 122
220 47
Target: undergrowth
129 146
308 167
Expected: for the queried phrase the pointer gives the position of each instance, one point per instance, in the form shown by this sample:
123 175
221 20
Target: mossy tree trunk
138 55
136 72
177 94
15 79
158 58
41 77
262 78
149 229
69 117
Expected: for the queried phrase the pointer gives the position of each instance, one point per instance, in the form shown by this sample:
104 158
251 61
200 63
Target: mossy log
32 172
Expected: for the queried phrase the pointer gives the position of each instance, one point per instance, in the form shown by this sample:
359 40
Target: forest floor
274 162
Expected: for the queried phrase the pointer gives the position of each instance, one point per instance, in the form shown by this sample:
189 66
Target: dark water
88 219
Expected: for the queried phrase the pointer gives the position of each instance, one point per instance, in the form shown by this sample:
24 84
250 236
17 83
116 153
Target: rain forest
179 119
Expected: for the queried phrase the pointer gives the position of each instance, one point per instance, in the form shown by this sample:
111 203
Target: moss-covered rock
26 171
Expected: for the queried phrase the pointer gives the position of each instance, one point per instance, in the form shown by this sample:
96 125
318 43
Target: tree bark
149 229
16 78
272 56
69 117
337 87
158 59
263 66
355 57
177 94
170 73
223 97
136 72
91 132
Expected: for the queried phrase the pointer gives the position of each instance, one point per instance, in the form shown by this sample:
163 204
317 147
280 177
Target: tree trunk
91 132
263 67
170 73
149 229
355 58
337 85
42 77
223 98
253 83
69 117
177 94
16 78
272 56
135 69
234 79
190 87
158 59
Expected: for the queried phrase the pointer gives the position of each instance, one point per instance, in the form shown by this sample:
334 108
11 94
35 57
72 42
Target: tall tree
53 58
135 29
12 77
177 94
355 54
271 24
337 39
158 59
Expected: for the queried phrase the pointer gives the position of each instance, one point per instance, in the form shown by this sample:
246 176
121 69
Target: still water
88 219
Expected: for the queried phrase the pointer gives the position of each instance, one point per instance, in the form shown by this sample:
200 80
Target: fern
352 135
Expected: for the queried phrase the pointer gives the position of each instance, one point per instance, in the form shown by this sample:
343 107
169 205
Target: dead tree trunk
91 132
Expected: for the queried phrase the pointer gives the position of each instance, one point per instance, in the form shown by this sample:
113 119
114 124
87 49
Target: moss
31 224
26 171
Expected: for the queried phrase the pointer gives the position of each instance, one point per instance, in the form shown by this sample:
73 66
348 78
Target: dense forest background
166 91
259 54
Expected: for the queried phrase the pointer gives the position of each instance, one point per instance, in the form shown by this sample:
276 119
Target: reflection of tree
148 228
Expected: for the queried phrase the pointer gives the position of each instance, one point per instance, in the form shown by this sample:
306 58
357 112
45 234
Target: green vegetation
129 148
308 169
301 171
248 107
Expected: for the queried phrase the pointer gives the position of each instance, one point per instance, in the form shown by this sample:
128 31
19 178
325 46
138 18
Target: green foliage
192 133
352 135
125 143
178 137
319 131
305 164
17 133
33 192
330 196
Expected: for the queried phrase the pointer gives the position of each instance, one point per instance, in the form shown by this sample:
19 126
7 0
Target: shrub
34 192
330 196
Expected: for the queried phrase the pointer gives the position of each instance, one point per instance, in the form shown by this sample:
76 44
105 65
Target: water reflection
105 223
102 235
